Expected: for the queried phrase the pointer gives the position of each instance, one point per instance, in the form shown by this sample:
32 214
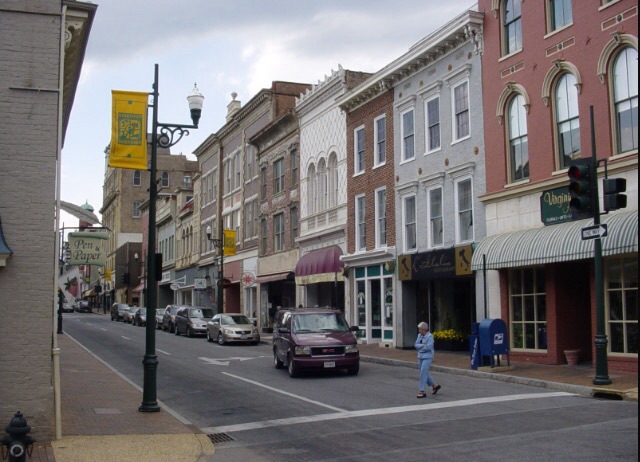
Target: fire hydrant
19 444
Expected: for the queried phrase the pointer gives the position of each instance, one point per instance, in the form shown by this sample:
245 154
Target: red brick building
545 65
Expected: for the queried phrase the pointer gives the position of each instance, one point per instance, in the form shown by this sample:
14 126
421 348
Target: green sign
554 206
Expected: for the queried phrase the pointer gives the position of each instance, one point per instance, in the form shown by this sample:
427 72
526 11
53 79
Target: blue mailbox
493 339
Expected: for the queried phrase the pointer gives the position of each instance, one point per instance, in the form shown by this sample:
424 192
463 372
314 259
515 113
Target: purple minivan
314 339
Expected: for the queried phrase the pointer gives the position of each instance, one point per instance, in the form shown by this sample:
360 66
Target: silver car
231 328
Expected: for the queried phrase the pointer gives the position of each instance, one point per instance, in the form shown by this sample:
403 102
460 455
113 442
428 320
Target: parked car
314 339
169 318
159 315
83 306
128 315
140 317
192 320
118 311
231 328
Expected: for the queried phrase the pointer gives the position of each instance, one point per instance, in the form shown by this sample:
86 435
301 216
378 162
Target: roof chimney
233 106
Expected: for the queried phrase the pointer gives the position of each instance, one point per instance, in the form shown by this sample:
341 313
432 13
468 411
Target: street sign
594 232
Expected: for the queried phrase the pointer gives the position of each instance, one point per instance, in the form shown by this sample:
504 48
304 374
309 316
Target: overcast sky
224 46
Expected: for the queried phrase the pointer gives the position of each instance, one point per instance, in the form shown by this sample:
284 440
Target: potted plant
450 340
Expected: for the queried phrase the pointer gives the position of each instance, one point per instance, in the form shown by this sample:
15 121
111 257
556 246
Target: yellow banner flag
229 243
129 130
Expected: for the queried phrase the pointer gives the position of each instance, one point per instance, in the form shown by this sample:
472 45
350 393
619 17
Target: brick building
36 95
545 65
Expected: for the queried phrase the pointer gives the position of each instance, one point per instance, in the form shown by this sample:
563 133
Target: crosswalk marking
381 411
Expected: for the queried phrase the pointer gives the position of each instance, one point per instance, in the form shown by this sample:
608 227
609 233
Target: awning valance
556 243
261 279
322 265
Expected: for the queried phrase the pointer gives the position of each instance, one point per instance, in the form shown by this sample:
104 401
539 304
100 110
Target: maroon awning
322 265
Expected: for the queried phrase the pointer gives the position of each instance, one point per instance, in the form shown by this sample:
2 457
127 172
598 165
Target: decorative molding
559 67
509 89
617 41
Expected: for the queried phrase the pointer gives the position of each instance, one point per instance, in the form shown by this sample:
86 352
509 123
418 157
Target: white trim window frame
461 110
380 141
358 150
360 224
624 96
409 223
434 211
381 217
432 129
407 136
464 210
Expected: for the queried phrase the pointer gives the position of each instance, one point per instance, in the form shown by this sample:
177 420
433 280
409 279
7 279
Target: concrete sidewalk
101 421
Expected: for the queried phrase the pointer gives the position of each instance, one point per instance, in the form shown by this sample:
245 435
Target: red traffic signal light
580 181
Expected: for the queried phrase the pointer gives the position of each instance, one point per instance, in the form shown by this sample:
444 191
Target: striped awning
556 243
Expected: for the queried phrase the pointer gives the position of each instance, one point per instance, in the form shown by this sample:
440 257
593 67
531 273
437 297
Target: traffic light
580 172
612 189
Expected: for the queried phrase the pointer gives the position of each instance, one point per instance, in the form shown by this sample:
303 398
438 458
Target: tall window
137 177
518 139
408 146
294 225
567 121
432 111
322 185
164 181
559 13
380 134
263 236
512 24
311 190
333 179
278 232
381 218
528 309
250 161
278 176
622 302
625 99
358 150
461 110
361 241
465 210
136 213
409 219
435 217
263 183
294 167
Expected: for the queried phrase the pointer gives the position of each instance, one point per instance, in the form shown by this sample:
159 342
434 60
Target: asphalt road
259 413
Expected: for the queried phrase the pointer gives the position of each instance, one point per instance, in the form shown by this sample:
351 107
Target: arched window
518 139
332 173
625 99
322 185
311 190
567 121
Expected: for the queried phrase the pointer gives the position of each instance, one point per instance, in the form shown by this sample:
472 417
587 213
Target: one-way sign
594 232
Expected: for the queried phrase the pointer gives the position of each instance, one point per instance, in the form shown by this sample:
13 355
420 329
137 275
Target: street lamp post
170 134
219 245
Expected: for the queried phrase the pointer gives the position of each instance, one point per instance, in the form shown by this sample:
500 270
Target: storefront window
622 301
528 309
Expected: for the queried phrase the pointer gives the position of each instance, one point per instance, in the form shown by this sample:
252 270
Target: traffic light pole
602 370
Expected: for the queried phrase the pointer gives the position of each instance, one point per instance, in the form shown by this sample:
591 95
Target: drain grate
217 438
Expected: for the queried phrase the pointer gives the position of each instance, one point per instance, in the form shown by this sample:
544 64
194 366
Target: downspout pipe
55 352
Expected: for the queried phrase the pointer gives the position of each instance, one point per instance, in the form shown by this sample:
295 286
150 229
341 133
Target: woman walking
424 345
